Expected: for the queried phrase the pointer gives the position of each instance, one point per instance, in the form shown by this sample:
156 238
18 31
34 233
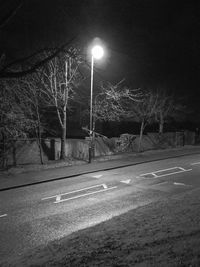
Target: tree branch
35 66
10 15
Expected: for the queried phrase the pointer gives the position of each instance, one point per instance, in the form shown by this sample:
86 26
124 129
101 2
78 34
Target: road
34 215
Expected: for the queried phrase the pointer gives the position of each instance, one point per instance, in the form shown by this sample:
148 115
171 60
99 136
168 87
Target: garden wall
27 151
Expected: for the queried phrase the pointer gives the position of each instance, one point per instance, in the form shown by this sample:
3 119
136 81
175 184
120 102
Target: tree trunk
63 137
14 153
40 149
66 96
161 124
38 134
4 158
141 134
40 144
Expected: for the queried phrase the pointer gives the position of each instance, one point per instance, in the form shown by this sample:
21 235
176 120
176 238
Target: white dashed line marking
175 183
3 215
126 181
97 176
195 163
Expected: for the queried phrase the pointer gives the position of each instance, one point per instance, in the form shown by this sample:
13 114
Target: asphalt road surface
34 215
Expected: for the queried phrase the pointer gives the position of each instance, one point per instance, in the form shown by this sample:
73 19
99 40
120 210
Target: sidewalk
11 180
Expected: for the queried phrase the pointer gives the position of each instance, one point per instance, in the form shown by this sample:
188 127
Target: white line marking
105 186
175 183
148 173
97 176
169 169
167 174
181 168
156 173
58 198
87 194
75 191
126 181
195 163
161 183
3 215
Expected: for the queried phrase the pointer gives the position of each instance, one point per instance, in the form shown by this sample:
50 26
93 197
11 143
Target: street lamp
97 52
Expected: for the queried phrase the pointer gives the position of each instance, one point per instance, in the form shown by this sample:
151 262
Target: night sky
150 43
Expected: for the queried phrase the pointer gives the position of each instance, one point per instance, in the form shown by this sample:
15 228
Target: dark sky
151 43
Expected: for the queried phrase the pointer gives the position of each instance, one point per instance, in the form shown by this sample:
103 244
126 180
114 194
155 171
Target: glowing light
97 52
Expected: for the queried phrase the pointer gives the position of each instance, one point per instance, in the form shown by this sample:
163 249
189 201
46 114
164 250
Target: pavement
10 180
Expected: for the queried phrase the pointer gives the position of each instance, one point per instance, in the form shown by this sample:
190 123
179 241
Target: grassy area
166 233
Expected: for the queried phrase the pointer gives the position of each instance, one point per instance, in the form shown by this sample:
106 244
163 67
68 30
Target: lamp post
97 53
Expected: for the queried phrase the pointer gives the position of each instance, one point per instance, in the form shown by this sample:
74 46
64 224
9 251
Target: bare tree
111 103
144 112
31 63
59 78
168 108
35 59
